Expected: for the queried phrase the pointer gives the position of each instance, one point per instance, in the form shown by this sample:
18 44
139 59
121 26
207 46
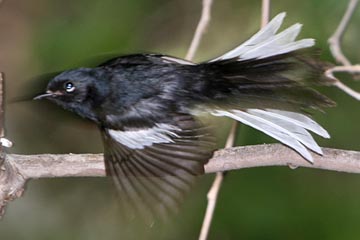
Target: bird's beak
45 95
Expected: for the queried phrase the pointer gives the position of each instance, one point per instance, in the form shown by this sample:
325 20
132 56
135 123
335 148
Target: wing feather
153 179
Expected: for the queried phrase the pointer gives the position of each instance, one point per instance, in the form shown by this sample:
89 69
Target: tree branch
20 168
92 165
280 155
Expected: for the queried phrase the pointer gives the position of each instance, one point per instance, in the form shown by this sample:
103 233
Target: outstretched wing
153 168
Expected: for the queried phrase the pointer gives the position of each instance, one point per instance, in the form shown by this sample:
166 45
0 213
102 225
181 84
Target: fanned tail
265 83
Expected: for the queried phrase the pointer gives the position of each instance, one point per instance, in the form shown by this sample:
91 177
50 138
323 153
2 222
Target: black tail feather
280 82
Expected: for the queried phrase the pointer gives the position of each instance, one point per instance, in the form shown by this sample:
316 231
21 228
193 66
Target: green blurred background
42 36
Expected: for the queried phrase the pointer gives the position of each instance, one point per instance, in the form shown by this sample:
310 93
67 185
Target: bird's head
76 90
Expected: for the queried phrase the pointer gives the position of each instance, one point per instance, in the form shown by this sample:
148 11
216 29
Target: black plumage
146 107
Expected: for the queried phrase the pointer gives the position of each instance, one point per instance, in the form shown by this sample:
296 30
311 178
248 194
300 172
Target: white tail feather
300 133
268 31
267 43
271 129
287 127
300 120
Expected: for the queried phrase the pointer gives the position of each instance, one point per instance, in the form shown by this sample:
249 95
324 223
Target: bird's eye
69 87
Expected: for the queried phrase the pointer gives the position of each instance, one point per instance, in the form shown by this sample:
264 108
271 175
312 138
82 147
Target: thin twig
335 48
350 69
200 29
265 12
347 90
335 39
199 32
211 204
213 193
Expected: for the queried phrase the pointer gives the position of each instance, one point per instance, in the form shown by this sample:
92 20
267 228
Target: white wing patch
138 139
267 42
6 142
290 128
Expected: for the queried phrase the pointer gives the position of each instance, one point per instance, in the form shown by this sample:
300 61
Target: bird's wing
153 168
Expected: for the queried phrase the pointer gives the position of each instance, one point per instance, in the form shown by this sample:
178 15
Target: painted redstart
146 108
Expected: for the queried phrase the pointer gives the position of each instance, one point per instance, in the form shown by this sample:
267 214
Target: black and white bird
146 107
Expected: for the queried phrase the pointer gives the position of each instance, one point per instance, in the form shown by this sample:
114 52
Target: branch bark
21 168
92 165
